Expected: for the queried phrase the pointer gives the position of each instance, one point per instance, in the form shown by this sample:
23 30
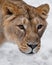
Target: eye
21 27
39 26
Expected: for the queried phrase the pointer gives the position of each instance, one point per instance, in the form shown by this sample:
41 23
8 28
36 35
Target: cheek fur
25 49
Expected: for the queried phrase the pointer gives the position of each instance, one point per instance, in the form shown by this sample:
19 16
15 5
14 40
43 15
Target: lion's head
24 24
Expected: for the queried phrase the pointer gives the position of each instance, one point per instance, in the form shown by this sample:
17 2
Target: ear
8 8
43 10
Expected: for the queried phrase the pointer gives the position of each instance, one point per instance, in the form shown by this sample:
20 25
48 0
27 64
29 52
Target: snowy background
10 55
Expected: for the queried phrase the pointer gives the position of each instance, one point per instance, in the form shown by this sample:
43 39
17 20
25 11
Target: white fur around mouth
30 51
35 50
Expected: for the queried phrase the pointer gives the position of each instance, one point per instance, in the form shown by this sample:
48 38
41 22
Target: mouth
31 52
28 53
30 49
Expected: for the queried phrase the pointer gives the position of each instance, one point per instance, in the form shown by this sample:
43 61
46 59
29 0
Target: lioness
22 24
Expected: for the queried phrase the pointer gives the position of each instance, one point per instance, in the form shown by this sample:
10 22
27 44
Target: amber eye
21 27
39 26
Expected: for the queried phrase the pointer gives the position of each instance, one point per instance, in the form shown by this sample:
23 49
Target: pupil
40 26
21 26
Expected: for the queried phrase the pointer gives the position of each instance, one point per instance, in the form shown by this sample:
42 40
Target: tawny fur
19 23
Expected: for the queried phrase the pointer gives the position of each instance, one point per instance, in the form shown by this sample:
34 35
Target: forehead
38 20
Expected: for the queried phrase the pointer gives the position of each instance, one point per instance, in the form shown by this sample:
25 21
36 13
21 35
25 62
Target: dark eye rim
21 27
39 26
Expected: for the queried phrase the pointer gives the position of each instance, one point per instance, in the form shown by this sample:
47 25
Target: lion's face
25 27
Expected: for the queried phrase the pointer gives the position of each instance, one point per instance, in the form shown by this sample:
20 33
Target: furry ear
8 8
43 10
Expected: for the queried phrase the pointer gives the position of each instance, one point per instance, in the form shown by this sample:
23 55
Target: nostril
32 46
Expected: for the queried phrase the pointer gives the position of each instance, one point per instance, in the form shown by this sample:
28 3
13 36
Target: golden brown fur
22 24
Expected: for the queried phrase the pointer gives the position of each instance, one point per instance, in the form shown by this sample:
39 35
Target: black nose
32 46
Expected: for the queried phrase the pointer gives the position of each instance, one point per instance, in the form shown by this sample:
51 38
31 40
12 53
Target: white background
10 55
